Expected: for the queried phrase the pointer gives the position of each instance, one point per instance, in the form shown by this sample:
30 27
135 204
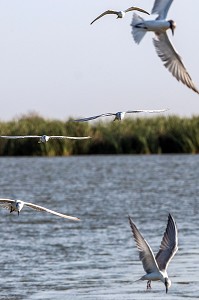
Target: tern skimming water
164 48
120 14
156 266
44 138
120 114
17 205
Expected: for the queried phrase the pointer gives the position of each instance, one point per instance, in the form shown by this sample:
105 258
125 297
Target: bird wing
94 117
146 111
169 244
19 136
161 8
5 203
145 253
172 60
41 208
70 137
107 12
136 8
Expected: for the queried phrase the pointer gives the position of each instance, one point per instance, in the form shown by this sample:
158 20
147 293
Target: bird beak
18 213
172 30
166 288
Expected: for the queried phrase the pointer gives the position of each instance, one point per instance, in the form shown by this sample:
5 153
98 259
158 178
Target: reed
153 135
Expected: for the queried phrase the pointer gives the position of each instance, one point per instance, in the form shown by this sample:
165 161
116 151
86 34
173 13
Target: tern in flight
120 14
164 48
156 266
120 114
17 205
44 138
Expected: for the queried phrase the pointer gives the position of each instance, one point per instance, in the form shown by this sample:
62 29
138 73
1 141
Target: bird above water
17 205
120 114
44 138
156 266
164 48
120 14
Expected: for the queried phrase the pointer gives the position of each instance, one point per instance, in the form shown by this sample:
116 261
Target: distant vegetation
131 136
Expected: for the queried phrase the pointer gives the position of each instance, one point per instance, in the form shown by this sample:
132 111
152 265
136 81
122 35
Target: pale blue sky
55 63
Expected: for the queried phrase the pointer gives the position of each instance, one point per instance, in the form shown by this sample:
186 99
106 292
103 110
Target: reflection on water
46 257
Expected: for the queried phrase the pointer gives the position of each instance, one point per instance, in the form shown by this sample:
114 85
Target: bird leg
148 285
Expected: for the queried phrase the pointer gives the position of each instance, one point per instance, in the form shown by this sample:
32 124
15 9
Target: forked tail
138 29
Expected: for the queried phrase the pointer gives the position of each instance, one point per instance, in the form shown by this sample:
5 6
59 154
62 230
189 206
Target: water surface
46 257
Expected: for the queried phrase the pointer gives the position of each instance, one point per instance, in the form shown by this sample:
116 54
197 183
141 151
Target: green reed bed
150 135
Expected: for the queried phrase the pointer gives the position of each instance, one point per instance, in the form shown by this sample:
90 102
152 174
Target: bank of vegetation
151 135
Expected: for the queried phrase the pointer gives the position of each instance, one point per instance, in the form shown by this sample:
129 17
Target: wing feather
172 60
161 8
6 203
136 8
169 244
145 253
70 137
146 111
41 208
107 12
19 136
94 117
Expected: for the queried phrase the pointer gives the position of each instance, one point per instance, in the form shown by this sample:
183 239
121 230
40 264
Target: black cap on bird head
172 26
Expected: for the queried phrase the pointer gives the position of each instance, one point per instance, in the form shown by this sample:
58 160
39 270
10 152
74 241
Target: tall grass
131 136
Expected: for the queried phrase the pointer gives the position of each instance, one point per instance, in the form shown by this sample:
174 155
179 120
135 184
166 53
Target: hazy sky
55 63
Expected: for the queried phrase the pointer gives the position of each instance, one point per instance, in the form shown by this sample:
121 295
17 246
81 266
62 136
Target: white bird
44 138
156 267
120 114
164 48
17 205
120 14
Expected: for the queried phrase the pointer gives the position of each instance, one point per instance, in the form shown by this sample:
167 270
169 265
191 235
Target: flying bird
164 48
120 14
17 205
43 138
120 114
156 266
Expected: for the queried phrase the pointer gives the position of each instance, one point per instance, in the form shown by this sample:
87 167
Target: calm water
46 257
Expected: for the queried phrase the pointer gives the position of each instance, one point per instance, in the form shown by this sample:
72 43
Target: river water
47 257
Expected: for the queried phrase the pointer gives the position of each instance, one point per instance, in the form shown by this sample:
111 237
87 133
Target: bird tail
138 28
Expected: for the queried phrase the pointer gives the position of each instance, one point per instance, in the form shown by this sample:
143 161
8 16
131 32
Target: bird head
43 139
167 283
172 26
19 206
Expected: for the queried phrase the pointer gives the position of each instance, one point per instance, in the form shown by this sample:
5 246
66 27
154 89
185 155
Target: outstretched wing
94 117
172 60
146 111
161 8
19 136
169 245
41 208
136 8
6 203
145 253
69 137
108 12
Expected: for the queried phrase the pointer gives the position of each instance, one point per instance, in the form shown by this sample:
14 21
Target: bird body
17 205
158 25
121 14
164 48
156 266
